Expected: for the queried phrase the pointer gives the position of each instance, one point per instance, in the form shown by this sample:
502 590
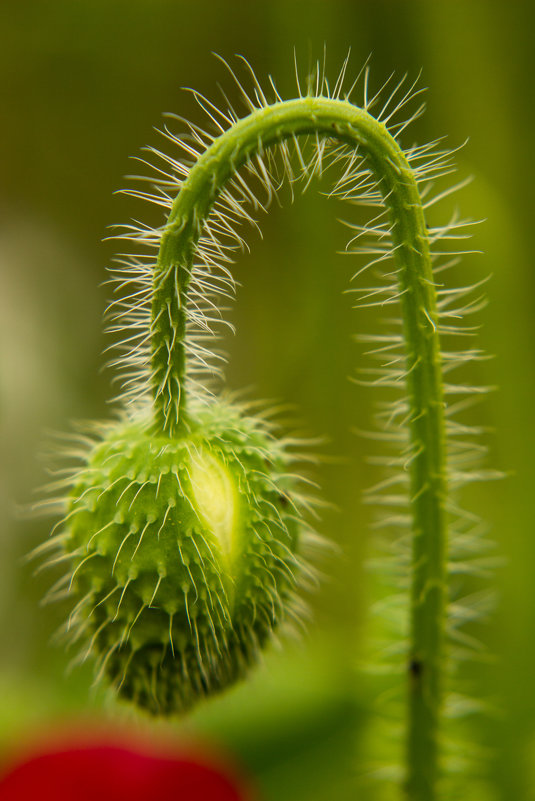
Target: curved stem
340 120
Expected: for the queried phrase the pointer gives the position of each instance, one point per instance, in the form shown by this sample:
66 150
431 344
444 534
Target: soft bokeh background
81 86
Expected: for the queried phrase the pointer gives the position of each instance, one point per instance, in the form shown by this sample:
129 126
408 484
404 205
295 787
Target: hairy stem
342 121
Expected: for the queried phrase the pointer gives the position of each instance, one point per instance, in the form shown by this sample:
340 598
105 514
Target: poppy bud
184 554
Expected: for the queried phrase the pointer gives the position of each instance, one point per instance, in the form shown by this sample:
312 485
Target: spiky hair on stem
250 192
166 315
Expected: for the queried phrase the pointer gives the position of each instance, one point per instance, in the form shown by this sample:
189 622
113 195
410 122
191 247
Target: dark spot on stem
416 668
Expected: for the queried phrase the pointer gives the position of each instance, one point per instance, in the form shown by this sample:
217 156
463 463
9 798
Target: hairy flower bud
184 554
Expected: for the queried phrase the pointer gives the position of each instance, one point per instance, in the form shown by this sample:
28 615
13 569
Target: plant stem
342 121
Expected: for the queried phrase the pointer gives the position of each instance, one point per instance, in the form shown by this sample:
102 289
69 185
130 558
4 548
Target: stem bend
355 127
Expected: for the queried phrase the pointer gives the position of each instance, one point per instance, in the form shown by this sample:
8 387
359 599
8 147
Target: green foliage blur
82 84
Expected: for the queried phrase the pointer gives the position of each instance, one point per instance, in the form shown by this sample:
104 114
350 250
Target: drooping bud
184 554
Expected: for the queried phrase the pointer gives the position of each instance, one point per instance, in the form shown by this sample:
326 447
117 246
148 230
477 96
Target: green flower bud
184 554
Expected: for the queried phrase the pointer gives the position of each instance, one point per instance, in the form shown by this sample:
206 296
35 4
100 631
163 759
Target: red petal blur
115 772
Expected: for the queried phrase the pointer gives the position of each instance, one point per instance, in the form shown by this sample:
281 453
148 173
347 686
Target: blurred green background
82 84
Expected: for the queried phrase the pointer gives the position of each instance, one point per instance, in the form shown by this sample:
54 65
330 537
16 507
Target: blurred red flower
111 771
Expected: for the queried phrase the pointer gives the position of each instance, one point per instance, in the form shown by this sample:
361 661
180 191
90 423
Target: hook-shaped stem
339 120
